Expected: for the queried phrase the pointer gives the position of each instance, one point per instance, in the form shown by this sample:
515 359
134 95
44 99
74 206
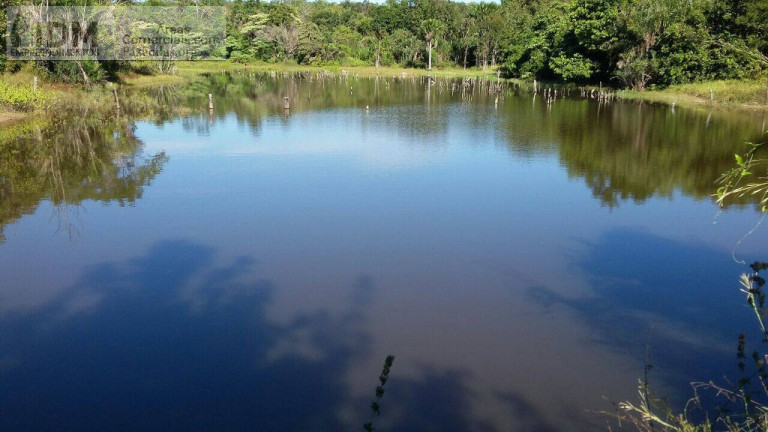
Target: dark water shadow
168 341
443 400
680 301
173 341
438 401
530 417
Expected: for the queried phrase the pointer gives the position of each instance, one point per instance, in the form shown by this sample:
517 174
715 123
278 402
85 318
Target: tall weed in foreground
742 180
375 405
744 406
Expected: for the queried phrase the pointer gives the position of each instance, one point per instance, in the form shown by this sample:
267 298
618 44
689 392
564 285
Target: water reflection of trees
626 151
623 150
253 97
85 152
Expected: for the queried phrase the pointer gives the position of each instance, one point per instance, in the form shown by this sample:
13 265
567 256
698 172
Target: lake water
250 268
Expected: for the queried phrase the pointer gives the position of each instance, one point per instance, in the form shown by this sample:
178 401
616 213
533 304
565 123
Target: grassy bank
19 98
188 69
183 71
21 101
744 94
7 117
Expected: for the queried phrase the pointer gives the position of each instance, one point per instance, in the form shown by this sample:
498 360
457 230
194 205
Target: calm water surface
249 269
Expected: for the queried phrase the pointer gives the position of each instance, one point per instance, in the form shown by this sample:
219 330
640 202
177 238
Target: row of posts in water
467 87
286 102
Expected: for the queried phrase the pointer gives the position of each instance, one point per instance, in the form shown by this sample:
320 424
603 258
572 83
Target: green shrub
69 71
572 68
20 97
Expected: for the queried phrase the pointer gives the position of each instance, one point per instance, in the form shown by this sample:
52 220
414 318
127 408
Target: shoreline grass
725 93
18 98
9 117
186 69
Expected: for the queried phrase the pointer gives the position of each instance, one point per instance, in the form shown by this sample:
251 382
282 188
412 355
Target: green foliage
635 69
310 47
741 181
69 71
595 24
629 43
21 97
572 68
637 43
405 47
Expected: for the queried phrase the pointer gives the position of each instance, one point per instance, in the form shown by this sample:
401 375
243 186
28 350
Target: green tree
252 30
310 43
405 47
599 33
431 29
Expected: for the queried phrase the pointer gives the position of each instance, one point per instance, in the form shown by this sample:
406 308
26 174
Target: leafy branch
741 181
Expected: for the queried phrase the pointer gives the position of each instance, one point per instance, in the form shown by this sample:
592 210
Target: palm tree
431 28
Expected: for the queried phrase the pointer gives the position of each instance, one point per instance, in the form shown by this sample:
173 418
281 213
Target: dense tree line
404 33
628 43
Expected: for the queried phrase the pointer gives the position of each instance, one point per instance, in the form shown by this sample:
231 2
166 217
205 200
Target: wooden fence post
117 101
